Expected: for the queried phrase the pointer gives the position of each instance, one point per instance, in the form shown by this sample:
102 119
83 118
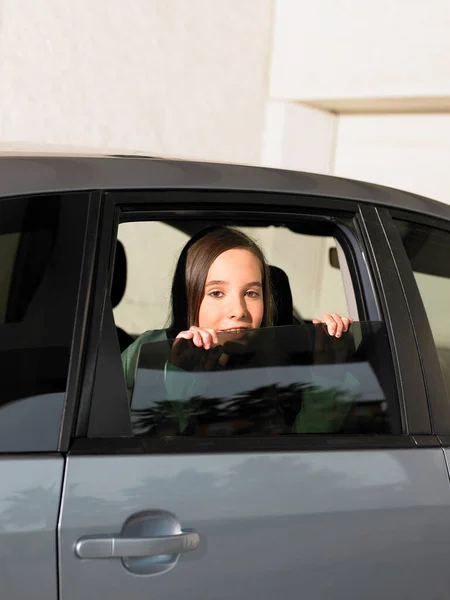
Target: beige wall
169 78
350 49
411 152
298 137
284 83
381 71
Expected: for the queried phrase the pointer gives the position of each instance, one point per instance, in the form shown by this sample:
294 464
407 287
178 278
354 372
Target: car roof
37 173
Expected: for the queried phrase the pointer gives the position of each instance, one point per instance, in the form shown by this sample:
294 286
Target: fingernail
338 335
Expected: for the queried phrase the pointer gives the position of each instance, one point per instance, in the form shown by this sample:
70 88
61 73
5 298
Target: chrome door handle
122 547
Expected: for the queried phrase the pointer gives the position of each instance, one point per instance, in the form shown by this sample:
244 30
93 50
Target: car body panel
45 174
30 495
319 525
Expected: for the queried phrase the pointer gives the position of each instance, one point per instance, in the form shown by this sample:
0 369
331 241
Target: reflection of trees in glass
266 409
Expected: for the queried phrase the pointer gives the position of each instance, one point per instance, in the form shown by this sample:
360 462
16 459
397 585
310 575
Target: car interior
286 313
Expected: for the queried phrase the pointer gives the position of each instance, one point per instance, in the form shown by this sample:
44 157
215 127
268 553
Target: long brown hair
192 269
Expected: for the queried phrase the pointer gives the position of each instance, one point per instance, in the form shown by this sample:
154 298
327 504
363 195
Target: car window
276 375
428 250
278 380
41 247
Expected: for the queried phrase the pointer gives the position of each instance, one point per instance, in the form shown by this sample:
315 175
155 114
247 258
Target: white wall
298 137
350 49
411 152
170 78
382 69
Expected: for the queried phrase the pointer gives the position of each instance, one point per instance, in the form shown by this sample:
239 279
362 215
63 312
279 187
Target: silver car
101 495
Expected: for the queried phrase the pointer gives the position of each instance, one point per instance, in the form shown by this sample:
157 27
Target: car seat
282 297
118 286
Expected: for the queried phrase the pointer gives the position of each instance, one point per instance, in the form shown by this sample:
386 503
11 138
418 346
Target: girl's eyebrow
216 282
219 282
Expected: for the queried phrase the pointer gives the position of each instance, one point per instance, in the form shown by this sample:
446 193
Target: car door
41 248
420 244
336 515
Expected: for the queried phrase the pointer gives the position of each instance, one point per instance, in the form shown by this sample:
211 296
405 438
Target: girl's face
233 295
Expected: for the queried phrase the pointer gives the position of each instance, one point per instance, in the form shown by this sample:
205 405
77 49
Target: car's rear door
42 244
322 516
420 244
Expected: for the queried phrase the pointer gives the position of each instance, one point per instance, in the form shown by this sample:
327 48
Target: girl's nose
236 309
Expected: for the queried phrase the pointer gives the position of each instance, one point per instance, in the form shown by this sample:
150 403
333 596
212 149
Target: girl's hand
201 337
336 325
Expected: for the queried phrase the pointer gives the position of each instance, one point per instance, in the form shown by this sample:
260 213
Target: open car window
150 249
272 381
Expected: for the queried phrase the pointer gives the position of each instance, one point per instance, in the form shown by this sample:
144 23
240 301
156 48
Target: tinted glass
428 249
41 248
272 381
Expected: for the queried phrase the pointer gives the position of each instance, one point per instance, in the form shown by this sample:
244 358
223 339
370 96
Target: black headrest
119 281
282 296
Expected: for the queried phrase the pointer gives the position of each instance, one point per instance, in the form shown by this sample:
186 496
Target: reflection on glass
41 249
272 381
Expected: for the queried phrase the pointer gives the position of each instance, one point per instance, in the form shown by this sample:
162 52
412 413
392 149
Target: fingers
201 337
213 357
336 325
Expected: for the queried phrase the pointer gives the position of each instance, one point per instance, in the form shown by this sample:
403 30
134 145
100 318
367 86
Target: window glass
41 245
288 376
428 250
271 381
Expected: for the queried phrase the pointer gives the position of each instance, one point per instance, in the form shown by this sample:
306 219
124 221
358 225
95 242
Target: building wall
408 151
336 86
167 78
337 50
383 69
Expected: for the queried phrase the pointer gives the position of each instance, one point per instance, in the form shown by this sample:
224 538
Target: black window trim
439 406
411 388
81 323
417 422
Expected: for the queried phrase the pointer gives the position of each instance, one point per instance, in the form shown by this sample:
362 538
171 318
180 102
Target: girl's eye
216 294
252 294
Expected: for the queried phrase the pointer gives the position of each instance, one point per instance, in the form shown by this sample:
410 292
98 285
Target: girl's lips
234 330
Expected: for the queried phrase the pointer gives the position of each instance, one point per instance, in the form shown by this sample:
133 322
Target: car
102 495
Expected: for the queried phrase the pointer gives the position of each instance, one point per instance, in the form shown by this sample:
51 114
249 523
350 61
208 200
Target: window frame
437 394
94 429
82 321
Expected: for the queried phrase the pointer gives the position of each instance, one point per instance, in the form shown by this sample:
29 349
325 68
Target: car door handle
122 547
